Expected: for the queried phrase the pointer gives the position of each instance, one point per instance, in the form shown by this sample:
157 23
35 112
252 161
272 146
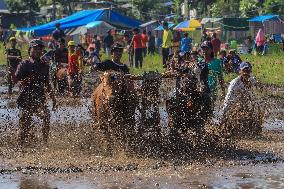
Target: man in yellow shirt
167 42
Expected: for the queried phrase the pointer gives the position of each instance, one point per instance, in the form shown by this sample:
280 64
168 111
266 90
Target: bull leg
46 125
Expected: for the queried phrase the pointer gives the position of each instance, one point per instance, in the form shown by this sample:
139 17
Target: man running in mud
14 57
240 88
33 75
215 72
115 64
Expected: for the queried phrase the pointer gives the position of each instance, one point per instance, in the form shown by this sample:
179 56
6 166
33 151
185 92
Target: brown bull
114 102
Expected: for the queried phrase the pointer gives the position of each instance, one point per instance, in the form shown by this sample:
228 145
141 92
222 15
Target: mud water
70 162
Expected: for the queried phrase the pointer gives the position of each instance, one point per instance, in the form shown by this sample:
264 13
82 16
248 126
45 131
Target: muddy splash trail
71 159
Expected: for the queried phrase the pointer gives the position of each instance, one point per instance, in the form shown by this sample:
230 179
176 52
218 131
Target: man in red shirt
144 42
137 45
216 43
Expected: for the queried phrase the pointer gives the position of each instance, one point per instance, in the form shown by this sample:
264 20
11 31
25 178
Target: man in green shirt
215 72
167 42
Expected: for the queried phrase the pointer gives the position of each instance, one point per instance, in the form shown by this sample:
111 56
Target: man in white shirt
240 89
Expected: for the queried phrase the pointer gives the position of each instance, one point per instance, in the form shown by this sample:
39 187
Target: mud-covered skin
187 109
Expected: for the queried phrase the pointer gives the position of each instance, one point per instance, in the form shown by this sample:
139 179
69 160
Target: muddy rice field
72 158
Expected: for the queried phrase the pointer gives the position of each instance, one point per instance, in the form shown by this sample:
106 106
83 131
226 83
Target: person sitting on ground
115 64
235 61
93 58
58 33
14 57
223 58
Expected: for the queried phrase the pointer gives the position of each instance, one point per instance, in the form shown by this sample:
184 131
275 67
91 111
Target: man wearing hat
115 64
33 75
108 42
13 59
240 88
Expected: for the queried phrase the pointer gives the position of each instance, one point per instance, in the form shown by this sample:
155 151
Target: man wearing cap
240 88
33 75
167 43
108 42
74 71
13 59
115 64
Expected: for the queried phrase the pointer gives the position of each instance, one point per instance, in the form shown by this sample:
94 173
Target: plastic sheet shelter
271 24
83 18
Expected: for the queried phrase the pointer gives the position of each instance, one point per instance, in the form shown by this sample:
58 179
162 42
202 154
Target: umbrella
188 25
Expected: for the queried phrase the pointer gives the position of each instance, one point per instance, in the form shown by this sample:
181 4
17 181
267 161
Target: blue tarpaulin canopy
263 18
83 18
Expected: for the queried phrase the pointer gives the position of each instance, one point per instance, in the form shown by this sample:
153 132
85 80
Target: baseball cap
206 44
245 65
36 42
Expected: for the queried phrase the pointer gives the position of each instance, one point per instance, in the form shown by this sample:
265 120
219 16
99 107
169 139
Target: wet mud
73 158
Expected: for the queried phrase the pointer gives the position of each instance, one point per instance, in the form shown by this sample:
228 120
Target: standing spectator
176 43
204 36
260 40
249 44
129 49
158 42
108 42
185 43
1 33
97 44
13 59
60 58
235 61
138 48
151 43
216 43
58 33
74 72
166 44
144 42
33 75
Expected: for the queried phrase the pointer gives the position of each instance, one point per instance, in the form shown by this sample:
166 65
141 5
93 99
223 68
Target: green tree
273 7
225 8
22 5
249 8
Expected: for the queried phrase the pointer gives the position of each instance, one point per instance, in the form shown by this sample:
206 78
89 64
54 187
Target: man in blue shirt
33 75
185 43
